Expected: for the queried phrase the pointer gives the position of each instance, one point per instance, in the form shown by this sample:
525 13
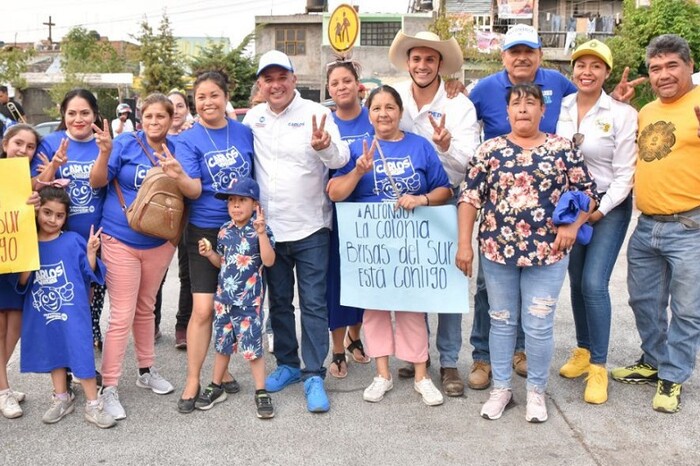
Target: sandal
339 366
356 345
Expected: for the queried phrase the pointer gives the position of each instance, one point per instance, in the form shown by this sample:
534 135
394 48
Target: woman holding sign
517 180
404 169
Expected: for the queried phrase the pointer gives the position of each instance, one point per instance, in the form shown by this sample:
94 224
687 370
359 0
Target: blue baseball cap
245 187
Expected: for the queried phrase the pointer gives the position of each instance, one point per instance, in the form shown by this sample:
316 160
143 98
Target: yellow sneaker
596 385
577 365
668 397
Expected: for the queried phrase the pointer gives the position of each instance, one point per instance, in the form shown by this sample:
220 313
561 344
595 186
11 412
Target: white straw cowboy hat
450 50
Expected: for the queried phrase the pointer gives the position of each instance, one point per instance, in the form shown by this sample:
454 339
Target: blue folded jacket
571 203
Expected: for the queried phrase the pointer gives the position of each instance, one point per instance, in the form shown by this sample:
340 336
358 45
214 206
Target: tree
13 62
640 25
162 67
239 68
83 52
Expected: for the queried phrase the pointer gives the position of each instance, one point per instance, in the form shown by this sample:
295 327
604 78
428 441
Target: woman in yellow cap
604 130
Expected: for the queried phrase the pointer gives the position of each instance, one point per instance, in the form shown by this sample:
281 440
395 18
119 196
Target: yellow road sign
343 28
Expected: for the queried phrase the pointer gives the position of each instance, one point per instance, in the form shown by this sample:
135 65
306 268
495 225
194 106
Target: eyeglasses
60 183
578 139
344 63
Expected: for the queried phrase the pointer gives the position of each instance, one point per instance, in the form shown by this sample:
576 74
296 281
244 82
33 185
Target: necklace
212 141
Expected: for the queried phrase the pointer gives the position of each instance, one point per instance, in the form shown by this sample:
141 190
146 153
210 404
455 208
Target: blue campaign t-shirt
86 202
357 128
56 321
413 163
215 156
489 99
128 164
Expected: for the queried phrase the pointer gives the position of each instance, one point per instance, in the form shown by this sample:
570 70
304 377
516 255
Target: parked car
47 127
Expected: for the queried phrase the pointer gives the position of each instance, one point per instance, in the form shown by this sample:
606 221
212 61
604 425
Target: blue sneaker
316 398
281 377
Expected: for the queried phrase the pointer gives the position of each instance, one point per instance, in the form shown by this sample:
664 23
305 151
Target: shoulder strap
120 195
145 151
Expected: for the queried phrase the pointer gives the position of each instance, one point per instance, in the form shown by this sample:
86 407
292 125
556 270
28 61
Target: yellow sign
343 28
19 248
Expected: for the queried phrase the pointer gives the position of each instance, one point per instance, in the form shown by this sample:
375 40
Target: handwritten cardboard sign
398 260
19 249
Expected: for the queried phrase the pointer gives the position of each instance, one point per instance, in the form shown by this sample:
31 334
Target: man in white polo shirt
296 142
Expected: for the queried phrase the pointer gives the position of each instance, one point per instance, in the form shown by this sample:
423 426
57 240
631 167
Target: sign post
343 29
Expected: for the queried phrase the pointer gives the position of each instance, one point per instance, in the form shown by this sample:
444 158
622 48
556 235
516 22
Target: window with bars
291 41
379 33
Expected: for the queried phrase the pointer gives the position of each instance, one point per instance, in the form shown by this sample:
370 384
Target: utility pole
50 24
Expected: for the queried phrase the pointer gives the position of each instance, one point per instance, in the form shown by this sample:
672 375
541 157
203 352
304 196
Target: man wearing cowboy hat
452 127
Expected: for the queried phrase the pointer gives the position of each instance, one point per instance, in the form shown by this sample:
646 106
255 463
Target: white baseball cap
274 58
522 34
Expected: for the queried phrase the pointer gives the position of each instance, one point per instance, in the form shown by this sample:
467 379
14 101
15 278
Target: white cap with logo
274 58
522 34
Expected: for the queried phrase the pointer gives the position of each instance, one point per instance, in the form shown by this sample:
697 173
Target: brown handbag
159 207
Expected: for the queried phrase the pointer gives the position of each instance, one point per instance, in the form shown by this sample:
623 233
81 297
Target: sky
118 19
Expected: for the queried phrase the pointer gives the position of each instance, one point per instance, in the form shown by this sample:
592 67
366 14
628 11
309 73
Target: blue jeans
663 261
481 327
532 294
310 258
590 268
449 339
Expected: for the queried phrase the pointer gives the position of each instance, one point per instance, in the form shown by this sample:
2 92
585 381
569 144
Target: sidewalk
398 430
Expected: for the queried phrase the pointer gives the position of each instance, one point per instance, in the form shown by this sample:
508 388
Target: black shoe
263 404
409 371
211 395
98 379
231 386
186 405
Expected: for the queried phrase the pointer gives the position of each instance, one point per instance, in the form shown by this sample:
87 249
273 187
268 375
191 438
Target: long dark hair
217 77
83 94
13 130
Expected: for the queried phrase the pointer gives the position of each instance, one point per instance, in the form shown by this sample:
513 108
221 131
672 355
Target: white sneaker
110 403
498 401
19 396
154 381
375 392
58 410
9 406
431 395
98 416
271 342
536 410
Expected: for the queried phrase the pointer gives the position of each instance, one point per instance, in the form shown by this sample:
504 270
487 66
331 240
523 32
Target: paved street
398 430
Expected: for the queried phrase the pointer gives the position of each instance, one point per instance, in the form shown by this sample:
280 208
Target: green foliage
163 68
640 25
461 28
239 68
13 62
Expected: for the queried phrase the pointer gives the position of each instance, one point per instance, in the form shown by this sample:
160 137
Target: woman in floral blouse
516 180
610 151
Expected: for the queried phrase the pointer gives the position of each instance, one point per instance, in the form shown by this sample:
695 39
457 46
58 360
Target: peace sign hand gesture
103 138
93 243
365 163
60 158
170 165
320 139
441 136
259 222
624 91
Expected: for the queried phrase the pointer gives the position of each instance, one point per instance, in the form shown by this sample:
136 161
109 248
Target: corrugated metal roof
474 7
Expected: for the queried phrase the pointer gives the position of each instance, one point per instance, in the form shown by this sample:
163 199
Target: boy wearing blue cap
244 245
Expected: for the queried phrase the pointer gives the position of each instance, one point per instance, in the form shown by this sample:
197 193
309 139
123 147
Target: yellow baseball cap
594 47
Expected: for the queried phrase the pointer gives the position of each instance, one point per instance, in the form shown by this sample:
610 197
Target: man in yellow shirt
663 257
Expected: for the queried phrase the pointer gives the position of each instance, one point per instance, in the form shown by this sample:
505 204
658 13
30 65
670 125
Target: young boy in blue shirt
244 245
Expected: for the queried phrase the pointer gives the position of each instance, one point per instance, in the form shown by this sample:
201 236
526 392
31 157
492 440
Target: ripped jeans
531 292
